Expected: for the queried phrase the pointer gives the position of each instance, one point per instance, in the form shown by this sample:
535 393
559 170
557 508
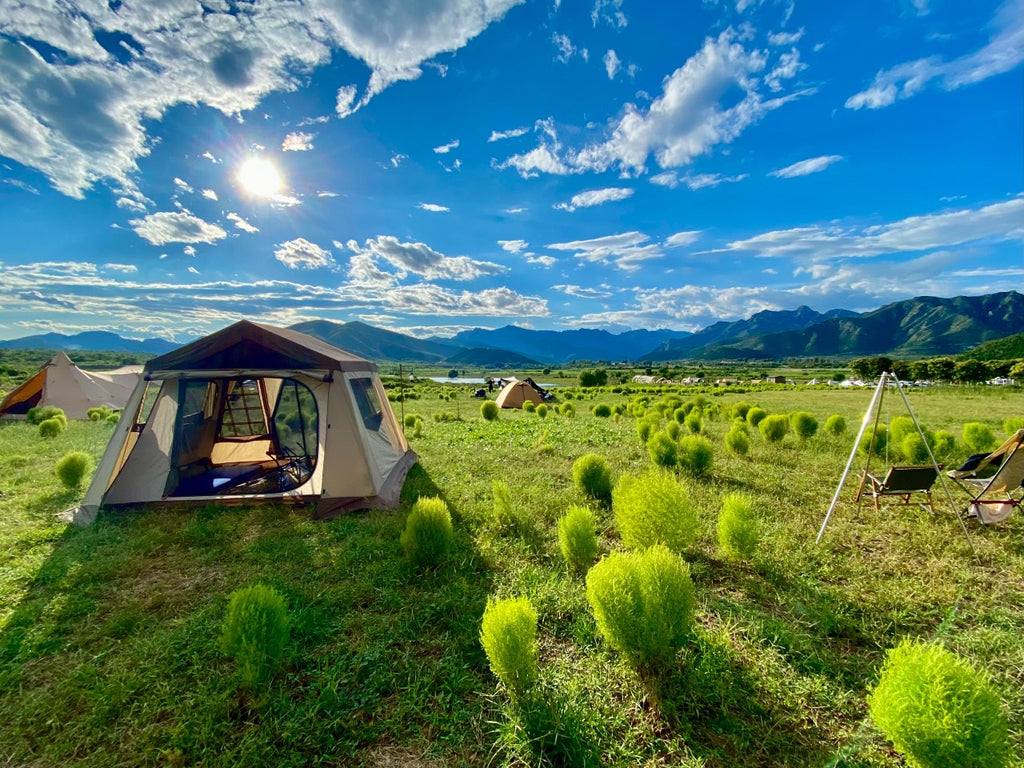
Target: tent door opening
242 436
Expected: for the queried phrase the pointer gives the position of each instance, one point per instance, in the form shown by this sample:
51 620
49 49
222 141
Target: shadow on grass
547 727
111 653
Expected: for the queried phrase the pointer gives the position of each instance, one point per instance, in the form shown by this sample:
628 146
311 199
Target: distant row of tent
249 413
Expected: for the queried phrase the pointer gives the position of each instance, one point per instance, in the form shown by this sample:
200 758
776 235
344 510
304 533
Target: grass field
109 636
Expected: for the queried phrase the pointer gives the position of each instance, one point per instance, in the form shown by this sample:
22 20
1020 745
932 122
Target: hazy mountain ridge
920 327
94 341
764 322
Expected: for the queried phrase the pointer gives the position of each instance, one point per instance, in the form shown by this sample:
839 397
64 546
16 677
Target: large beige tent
254 413
62 383
515 393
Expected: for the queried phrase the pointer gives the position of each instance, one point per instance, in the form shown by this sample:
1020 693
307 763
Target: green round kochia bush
693 422
1012 424
773 428
41 413
647 426
99 413
663 449
804 424
942 443
255 631
529 406
738 530
577 538
602 410
427 536
740 410
874 440
913 449
410 420
508 634
755 415
978 437
567 410
835 425
51 427
73 467
696 454
737 442
899 428
643 603
654 508
938 709
542 411
679 415
592 476
489 410
673 429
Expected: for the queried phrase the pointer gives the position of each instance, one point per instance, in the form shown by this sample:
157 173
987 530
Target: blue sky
168 168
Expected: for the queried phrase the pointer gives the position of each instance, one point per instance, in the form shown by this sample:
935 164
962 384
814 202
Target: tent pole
853 454
941 475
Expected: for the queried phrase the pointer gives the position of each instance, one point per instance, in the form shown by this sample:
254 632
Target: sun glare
259 177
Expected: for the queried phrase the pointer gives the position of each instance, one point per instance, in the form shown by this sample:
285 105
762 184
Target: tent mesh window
244 415
295 420
369 404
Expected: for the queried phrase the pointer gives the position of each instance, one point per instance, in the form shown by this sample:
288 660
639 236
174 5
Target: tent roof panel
255 345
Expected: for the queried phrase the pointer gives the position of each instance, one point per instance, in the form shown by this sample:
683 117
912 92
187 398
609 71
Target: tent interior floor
270 476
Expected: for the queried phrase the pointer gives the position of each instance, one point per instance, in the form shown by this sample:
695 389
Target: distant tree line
968 371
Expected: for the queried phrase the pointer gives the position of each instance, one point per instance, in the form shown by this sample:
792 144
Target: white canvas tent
254 413
62 383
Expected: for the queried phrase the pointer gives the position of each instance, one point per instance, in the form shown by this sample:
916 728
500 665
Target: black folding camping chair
900 486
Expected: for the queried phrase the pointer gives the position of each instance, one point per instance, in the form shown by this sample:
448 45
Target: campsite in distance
512 383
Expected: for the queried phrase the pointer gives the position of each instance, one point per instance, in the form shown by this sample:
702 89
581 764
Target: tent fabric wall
361 456
63 384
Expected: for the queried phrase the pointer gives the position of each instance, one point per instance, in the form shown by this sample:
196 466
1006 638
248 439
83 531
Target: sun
259 177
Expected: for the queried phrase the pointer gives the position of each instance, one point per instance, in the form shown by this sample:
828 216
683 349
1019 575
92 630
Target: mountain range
920 327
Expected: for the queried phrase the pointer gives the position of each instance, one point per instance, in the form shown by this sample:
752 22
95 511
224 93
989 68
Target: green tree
971 371
941 368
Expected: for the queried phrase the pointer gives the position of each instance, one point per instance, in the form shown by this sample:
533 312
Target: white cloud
510 134
594 197
343 104
626 251
612 65
545 261
695 181
785 38
1003 52
241 223
433 207
126 269
297 141
182 227
188 250
193 270
183 186
444 149
696 111
585 293
566 50
210 157
515 210
209 194
397 159
996 222
302 254
680 239
80 116
610 12
806 167
513 246
421 259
